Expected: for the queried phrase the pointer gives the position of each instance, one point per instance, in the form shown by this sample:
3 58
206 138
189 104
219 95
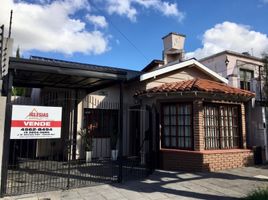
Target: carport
38 72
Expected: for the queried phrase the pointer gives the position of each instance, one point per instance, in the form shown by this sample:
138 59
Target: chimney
173 47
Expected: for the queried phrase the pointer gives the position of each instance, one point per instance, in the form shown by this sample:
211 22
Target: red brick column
198 125
243 126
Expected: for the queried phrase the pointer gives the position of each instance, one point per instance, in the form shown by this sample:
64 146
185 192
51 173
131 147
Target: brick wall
181 160
198 123
227 159
205 160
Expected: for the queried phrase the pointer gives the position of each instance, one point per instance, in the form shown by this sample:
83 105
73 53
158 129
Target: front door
134 130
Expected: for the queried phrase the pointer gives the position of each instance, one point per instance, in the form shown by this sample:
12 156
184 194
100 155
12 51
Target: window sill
219 151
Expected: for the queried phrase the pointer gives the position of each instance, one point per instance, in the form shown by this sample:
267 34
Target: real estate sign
35 122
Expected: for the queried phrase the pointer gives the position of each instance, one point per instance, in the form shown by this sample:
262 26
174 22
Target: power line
121 33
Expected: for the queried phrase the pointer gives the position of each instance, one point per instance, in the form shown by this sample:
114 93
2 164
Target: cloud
52 27
122 7
98 21
231 36
264 1
128 8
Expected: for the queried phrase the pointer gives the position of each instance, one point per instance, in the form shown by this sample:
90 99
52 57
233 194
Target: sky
128 33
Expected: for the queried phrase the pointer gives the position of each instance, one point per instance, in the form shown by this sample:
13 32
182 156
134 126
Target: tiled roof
202 85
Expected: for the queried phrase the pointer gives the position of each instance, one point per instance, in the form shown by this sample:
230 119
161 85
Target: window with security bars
101 122
177 126
221 124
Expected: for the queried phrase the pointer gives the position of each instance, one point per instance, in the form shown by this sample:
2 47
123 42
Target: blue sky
78 30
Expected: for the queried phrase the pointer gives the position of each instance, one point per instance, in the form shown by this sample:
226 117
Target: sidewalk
165 185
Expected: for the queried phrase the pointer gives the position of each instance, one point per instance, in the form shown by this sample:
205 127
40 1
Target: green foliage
18 91
259 194
18 52
87 139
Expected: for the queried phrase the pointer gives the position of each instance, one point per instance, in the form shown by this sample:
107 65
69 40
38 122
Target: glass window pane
167 141
180 130
249 75
166 110
180 142
187 109
242 75
173 142
173 120
166 131
187 120
180 109
187 131
166 120
188 142
173 131
180 120
173 110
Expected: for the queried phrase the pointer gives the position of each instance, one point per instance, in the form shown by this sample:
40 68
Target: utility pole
1 56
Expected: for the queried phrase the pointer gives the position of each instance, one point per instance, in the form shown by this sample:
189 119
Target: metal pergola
40 72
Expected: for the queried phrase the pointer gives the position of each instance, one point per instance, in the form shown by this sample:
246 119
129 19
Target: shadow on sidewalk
161 181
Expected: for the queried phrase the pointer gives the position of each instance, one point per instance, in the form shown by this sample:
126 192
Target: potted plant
113 140
87 139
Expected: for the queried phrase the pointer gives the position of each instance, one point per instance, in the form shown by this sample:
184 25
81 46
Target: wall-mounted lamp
226 61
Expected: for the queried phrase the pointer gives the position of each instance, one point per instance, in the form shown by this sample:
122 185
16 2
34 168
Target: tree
18 91
18 52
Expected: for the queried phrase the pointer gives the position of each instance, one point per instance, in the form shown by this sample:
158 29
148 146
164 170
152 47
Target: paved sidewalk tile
166 185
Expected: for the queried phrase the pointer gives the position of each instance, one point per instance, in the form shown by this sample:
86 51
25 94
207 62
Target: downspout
120 156
263 109
75 126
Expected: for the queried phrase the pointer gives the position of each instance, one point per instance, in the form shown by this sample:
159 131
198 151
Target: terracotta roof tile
198 85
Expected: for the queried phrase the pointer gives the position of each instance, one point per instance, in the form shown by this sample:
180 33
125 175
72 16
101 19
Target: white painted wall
175 76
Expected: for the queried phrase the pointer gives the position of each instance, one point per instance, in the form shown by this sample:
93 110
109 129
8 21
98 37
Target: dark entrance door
134 130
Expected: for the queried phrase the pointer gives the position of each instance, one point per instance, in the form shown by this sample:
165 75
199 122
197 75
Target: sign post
35 122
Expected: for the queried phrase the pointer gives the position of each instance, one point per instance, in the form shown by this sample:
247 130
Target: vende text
37 124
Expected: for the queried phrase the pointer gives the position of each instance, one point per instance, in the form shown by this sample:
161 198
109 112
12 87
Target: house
175 114
196 121
244 71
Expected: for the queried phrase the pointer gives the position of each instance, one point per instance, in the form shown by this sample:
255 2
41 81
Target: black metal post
6 138
69 147
120 171
260 83
150 138
75 126
157 138
1 49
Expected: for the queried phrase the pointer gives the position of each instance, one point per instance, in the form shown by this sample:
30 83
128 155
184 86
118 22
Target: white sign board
35 122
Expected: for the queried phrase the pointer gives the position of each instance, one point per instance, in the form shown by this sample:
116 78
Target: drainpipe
265 132
74 139
121 104
263 118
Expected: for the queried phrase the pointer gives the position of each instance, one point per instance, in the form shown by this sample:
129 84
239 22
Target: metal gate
43 165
